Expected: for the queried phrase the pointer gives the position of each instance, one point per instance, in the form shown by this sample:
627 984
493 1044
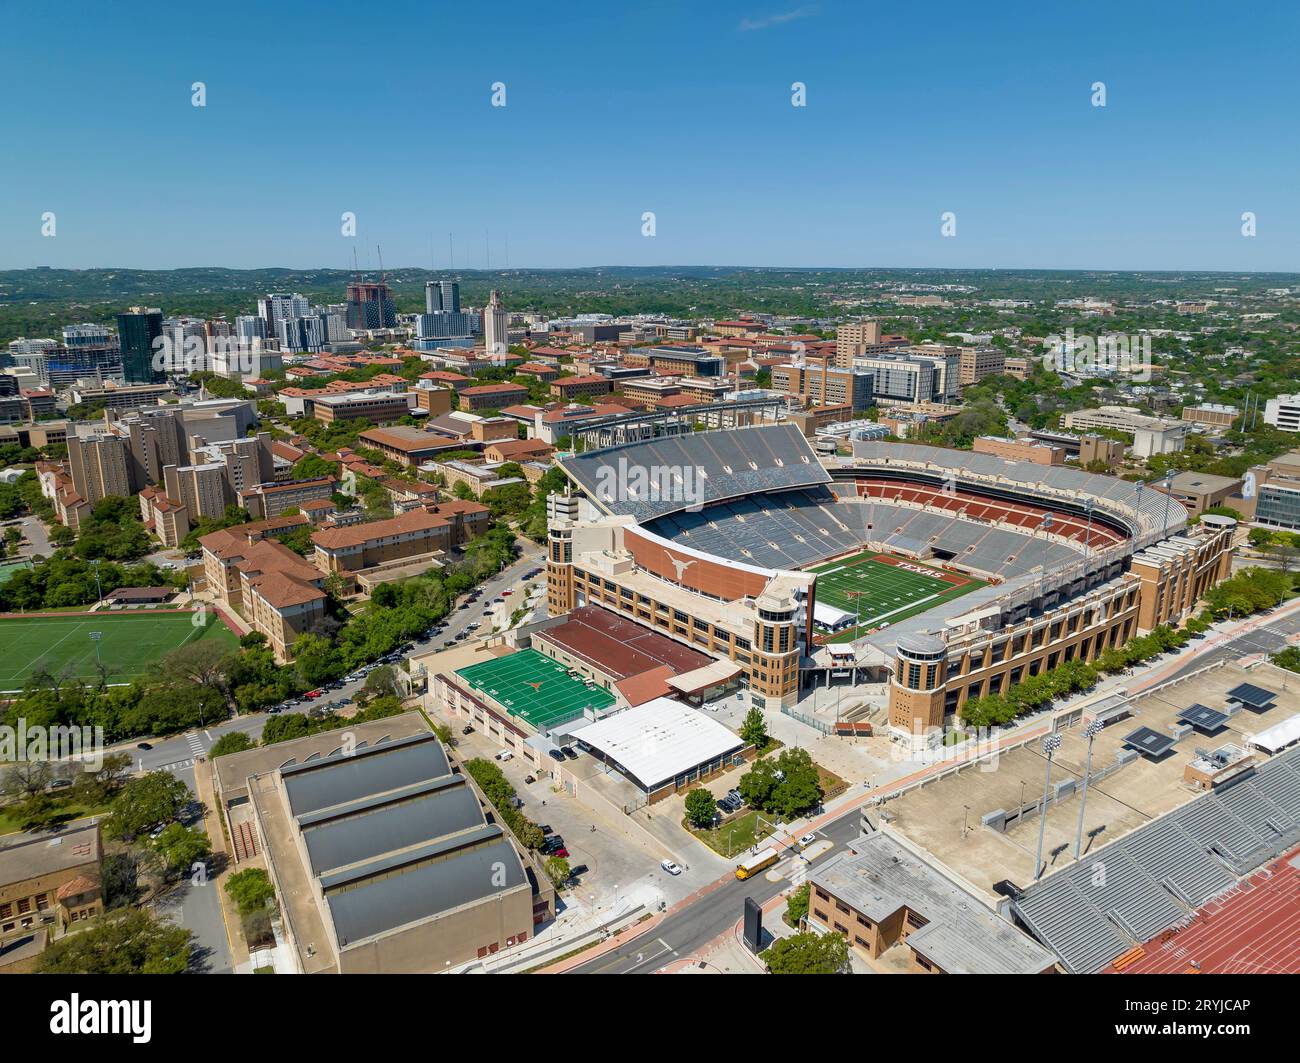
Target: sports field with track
128 644
883 589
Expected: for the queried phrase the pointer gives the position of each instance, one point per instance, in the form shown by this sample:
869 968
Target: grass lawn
734 838
72 810
882 589
128 644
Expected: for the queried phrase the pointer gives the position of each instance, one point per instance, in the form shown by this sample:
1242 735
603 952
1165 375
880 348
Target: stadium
944 574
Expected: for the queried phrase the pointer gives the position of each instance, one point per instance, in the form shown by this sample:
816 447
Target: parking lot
622 862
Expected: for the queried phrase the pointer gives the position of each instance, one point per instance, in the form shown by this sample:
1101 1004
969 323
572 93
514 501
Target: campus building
386 857
879 894
277 591
49 884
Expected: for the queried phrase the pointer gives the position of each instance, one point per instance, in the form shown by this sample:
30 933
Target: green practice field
128 644
884 589
535 688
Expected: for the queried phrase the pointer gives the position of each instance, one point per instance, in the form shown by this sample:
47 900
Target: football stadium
944 574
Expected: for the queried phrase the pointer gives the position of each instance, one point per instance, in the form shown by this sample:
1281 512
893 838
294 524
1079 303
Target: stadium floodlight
1051 743
1090 732
95 636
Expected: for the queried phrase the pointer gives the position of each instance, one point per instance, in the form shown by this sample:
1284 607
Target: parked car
144 745
561 852
545 828
555 754
670 867
505 755
529 780
807 840
569 752
467 730
506 594
578 869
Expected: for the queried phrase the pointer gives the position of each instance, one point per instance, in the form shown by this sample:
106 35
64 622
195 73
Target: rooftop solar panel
1251 696
1203 718
1148 742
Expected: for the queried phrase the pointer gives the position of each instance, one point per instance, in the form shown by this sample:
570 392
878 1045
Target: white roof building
660 743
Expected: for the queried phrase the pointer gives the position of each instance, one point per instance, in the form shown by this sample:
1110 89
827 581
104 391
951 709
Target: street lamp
1051 743
1090 732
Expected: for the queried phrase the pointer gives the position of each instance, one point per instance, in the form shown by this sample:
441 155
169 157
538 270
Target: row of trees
65 582
1037 691
497 789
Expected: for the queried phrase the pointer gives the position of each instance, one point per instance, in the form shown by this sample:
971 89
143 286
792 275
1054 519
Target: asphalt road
687 931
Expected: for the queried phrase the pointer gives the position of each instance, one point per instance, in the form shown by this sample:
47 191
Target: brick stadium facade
1128 572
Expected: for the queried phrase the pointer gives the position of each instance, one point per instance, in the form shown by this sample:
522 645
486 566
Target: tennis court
128 645
882 589
538 690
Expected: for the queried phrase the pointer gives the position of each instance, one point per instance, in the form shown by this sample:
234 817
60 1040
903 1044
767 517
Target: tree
231 742
145 803
131 943
808 954
700 807
754 728
557 870
797 906
250 889
383 681
181 847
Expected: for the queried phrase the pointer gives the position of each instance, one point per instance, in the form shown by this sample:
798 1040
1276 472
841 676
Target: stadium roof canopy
655 477
658 741
1157 875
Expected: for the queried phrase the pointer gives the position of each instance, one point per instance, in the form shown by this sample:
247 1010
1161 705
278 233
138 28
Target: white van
505 755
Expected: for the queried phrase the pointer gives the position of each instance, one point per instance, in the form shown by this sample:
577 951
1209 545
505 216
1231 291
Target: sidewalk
214 825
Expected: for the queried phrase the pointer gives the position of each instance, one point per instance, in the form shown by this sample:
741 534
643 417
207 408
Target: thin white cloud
747 25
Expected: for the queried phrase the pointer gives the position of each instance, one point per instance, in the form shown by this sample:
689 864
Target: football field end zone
885 607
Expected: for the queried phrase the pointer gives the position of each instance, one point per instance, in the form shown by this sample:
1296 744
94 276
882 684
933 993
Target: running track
1252 929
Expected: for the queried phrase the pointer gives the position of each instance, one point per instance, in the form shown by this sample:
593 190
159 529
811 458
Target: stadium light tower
1090 732
1051 743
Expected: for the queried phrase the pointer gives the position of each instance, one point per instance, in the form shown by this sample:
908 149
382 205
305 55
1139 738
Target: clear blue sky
678 108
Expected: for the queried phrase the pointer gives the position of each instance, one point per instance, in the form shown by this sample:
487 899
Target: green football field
128 644
880 589
535 688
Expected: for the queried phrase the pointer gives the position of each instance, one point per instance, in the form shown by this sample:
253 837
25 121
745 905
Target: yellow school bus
756 863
